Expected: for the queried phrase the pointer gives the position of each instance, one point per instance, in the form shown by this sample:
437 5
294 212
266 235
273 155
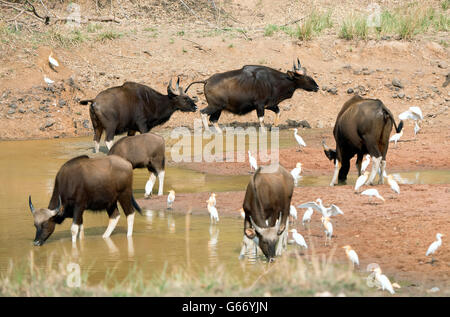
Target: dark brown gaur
87 183
253 87
266 205
144 151
362 127
134 107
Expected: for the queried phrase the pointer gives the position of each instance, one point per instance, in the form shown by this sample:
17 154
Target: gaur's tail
195 82
85 102
400 124
135 204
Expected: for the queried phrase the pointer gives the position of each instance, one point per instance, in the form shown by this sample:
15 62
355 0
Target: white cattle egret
396 137
170 199
298 238
48 80
383 280
416 128
252 161
328 228
434 246
333 210
351 255
293 212
393 184
413 113
307 215
299 139
395 285
361 180
213 213
365 163
53 62
212 199
296 172
372 192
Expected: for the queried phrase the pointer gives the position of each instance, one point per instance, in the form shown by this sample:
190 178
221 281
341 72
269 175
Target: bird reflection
212 244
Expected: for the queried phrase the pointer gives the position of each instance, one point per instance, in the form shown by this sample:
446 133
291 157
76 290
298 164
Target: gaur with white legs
87 183
362 127
253 87
134 107
266 204
144 151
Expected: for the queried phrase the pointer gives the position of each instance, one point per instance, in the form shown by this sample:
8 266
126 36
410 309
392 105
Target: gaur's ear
250 233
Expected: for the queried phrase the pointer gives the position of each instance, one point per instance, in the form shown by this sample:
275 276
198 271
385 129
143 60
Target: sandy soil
394 234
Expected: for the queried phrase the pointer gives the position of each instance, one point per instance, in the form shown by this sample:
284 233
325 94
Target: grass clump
354 27
314 24
270 29
109 35
290 275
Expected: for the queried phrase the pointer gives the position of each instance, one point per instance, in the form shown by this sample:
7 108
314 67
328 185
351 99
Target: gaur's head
267 237
303 81
180 99
331 154
44 221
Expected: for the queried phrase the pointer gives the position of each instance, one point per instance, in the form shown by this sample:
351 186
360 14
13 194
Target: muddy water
161 240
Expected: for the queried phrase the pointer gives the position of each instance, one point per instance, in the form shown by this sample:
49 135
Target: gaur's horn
178 83
58 208
325 147
30 204
293 66
298 64
258 229
170 88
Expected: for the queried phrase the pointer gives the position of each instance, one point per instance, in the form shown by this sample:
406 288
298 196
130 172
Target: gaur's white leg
218 129
277 119
376 161
205 120
74 229
382 171
109 144
149 185
337 165
81 232
96 146
130 222
261 121
112 224
161 182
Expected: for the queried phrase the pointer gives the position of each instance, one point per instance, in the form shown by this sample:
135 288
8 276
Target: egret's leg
375 166
149 185
337 166
161 182
112 224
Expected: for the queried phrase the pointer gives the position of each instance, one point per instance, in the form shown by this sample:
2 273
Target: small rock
401 95
442 65
12 106
332 91
86 124
324 88
21 110
397 83
62 103
350 90
11 111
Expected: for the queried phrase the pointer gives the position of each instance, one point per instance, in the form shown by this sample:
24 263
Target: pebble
397 83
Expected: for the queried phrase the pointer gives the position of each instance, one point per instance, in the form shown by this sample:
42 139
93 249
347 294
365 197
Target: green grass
93 27
445 5
109 35
290 275
270 29
354 27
